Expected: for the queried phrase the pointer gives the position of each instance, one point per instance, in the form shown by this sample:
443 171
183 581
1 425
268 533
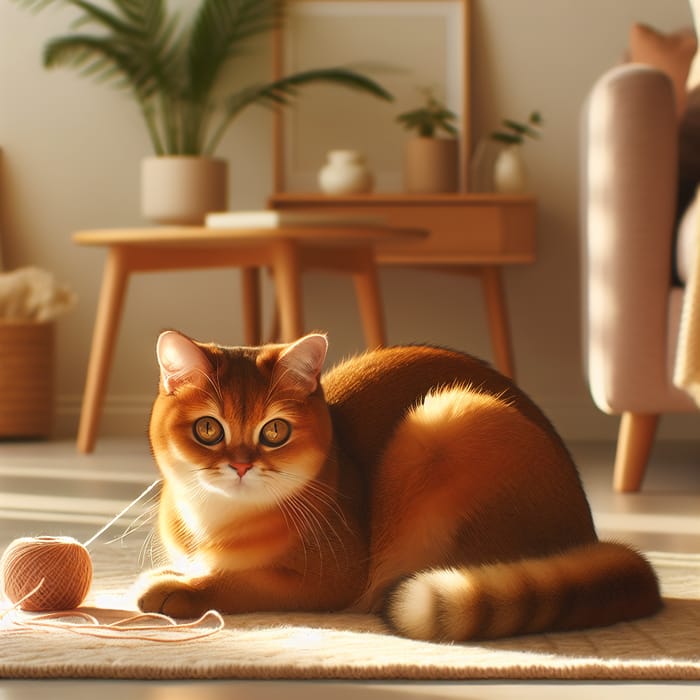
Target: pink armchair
631 311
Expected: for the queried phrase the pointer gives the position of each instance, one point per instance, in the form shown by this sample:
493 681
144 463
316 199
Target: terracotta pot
182 190
431 165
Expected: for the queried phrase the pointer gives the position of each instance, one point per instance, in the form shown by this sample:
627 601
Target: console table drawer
463 228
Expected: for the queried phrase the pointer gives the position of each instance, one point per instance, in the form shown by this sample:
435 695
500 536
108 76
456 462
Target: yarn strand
168 631
121 513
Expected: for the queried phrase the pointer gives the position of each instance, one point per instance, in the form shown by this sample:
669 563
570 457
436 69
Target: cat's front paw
169 594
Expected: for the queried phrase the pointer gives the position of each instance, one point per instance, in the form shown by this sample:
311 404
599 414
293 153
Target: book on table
269 218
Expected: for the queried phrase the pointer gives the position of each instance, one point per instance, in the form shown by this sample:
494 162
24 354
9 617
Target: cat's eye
275 432
208 430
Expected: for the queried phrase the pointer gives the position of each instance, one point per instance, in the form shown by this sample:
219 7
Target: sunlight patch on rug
346 646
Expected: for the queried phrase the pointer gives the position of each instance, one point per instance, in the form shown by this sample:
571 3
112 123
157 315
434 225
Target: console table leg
497 312
104 335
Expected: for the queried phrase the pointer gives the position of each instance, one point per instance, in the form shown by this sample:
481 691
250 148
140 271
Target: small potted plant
509 172
174 70
431 156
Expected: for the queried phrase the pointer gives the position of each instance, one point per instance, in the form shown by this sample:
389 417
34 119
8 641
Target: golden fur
414 481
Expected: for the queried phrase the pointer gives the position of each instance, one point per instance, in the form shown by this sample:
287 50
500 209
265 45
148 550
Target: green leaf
520 128
427 120
505 137
172 71
281 92
219 29
515 131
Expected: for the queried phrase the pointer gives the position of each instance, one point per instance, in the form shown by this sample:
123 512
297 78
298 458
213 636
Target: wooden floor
47 488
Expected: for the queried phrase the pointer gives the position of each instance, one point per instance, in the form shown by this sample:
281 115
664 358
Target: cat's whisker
289 518
319 519
316 517
133 526
324 501
146 546
310 527
306 522
149 512
327 495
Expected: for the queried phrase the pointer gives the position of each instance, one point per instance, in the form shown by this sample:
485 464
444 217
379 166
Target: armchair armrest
628 202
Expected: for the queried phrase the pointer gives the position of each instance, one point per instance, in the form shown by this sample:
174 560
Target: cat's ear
299 364
180 360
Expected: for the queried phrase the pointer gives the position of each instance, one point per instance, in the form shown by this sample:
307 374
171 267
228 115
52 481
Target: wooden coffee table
286 250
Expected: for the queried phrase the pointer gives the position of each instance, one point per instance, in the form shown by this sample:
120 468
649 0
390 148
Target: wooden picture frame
405 45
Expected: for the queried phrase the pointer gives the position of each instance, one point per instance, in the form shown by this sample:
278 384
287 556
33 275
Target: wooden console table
471 233
286 250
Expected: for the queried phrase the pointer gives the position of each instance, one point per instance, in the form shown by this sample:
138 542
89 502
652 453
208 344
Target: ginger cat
415 482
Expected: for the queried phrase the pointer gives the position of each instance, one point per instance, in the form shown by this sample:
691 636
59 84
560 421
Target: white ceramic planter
181 190
345 172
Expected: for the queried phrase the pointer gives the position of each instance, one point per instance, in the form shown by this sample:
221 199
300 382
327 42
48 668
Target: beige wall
72 151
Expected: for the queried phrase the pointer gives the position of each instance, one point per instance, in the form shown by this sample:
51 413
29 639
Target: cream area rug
349 647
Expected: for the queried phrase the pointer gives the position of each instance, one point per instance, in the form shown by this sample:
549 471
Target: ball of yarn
60 567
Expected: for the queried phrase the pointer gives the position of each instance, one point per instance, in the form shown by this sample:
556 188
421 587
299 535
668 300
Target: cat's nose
241 468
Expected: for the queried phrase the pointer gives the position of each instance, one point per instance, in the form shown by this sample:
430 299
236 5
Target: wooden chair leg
274 334
634 442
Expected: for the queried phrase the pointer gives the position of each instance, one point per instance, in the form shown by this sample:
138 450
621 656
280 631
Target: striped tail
592 585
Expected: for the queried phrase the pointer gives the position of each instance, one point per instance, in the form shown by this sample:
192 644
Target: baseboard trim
122 415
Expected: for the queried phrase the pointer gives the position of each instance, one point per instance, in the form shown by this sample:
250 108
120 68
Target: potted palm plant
176 72
431 156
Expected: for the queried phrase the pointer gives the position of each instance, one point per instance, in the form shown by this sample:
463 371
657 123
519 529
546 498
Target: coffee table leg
288 290
252 311
369 302
104 335
497 312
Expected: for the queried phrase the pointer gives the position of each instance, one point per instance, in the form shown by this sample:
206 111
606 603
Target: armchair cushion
687 242
688 181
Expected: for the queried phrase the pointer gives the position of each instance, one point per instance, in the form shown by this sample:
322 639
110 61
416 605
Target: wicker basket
26 378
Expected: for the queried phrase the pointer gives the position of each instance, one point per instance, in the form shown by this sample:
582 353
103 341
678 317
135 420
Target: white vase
345 172
182 190
509 171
